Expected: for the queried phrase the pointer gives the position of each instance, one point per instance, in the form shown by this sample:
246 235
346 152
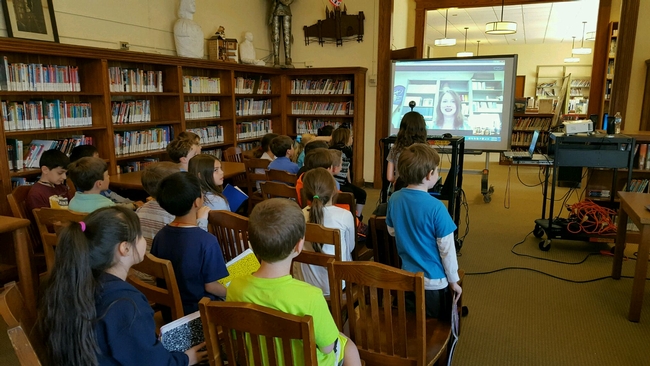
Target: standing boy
277 234
54 165
90 177
424 230
195 254
282 148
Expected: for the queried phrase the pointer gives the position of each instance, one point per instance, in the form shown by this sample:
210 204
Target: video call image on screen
470 97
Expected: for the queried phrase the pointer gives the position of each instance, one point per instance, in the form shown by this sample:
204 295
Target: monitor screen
471 97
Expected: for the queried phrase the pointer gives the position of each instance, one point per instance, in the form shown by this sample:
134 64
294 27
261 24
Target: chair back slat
231 231
282 176
276 189
384 332
49 221
19 325
383 244
233 154
161 269
247 322
255 172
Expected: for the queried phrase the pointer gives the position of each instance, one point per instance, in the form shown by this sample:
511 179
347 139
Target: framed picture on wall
30 19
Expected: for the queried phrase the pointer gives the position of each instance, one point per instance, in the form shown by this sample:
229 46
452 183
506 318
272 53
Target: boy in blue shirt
424 230
90 177
282 148
195 254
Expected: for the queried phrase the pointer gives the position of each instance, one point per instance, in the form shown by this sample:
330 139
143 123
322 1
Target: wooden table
26 273
633 206
134 180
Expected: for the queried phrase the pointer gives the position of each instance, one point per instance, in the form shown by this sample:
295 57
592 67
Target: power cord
512 250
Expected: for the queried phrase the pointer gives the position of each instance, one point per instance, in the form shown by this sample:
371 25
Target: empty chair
231 231
275 190
282 177
255 171
383 244
233 154
169 296
49 221
19 325
384 332
269 335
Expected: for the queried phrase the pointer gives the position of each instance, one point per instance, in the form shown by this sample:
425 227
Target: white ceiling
536 23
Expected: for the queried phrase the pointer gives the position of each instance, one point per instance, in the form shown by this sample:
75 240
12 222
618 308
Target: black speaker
569 177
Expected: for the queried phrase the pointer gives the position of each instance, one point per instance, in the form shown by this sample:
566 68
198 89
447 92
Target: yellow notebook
242 265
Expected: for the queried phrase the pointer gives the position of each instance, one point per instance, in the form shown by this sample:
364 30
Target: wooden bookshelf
168 106
523 126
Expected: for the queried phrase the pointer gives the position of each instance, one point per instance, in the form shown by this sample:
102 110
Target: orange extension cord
591 218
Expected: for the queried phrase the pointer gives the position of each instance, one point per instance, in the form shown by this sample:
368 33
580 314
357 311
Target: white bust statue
247 51
188 35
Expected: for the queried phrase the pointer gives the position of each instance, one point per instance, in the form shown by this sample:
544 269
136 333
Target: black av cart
454 146
585 151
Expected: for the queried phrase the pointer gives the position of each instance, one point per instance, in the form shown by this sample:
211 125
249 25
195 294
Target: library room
485 164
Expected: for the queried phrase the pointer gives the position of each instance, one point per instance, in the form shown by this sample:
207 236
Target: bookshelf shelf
321 115
101 86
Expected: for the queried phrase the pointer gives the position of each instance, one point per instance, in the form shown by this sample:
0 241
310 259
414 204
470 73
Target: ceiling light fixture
465 53
501 27
478 44
582 50
591 36
572 59
445 42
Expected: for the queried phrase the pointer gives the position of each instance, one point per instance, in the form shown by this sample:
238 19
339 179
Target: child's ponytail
320 188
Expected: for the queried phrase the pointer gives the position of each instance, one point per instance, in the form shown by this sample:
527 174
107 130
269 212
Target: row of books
491 106
304 125
20 181
38 114
132 111
486 85
610 68
641 156
20 158
551 84
205 109
532 123
245 146
201 84
322 86
252 86
523 139
129 142
217 153
333 108
136 166
135 80
612 48
580 83
252 107
546 92
209 134
38 77
259 128
637 185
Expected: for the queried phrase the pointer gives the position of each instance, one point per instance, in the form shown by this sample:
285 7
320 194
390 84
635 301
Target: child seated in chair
181 150
195 254
277 235
424 230
282 148
54 165
208 169
90 177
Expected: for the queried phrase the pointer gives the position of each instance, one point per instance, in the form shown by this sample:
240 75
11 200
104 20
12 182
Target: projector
574 127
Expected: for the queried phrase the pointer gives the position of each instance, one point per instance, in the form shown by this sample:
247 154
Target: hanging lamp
591 36
501 27
582 50
445 42
572 59
465 53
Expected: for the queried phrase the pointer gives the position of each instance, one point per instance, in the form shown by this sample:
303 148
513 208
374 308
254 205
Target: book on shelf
235 197
242 265
321 86
129 142
19 76
202 109
201 84
132 111
258 128
134 80
183 333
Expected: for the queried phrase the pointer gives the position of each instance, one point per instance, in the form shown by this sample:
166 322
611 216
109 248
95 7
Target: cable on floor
544 273
512 250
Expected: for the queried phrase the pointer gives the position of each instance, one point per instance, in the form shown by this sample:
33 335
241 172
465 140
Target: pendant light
572 59
465 53
501 27
478 44
582 50
591 36
445 42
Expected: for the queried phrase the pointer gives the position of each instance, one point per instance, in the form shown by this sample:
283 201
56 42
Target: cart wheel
538 231
545 245
487 198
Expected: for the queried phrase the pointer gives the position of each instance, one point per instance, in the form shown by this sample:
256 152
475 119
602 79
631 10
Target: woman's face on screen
448 105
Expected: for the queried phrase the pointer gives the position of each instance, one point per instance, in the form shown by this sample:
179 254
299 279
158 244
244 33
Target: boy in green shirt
277 234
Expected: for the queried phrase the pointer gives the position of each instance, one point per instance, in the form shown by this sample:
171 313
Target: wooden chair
269 334
315 233
233 154
49 221
231 231
255 171
383 244
169 296
274 189
17 200
282 177
361 251
384 332
19 325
